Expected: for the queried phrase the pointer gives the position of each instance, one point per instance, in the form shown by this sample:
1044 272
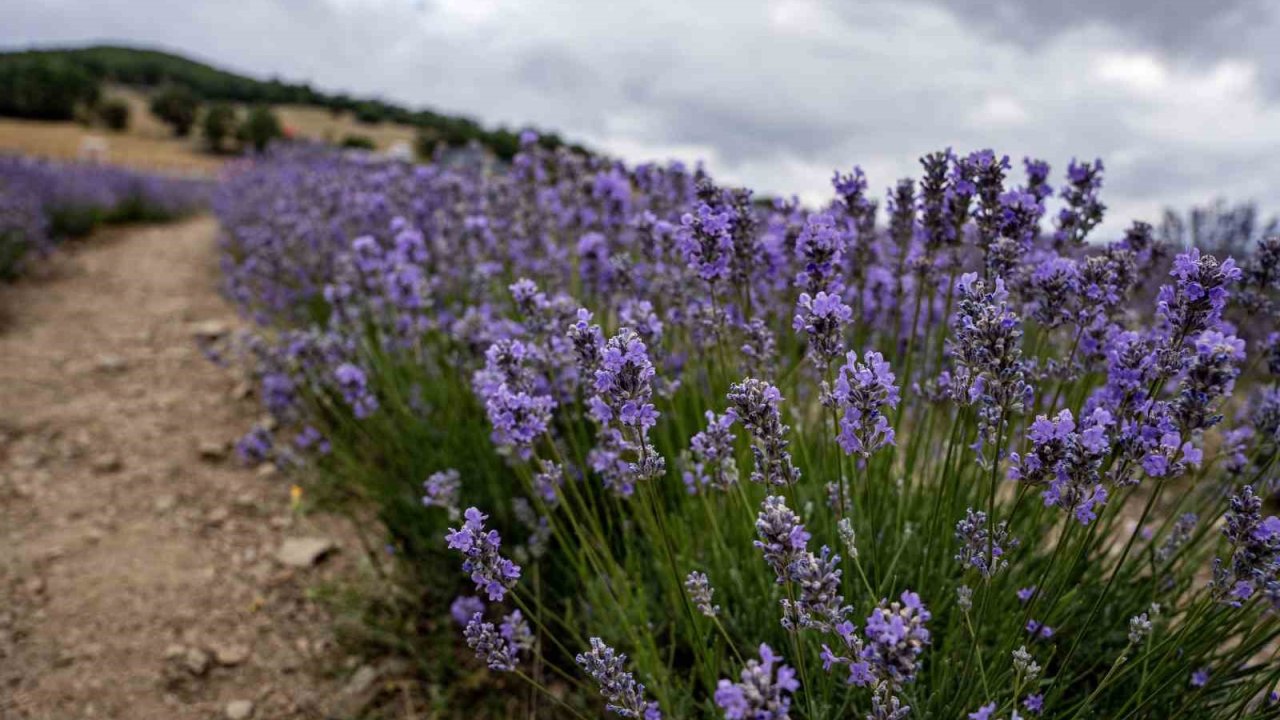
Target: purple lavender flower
518 412
783 538
705 238
940 230
1083 210
256 446
983 713
499 647
491 572
1196 300
441 490
764 691
820 605
310 438
622 383
1200 677
355 390
1034 703
896 638
820 249
711 454
1052 290
1255 550
1211 376
547 482
988 182
822 319
860 671
700 593
980 547
623 695
1024 594
588 343
885 705
985 349
754 403
464 607
863 390
1067 461
1039 629
623 388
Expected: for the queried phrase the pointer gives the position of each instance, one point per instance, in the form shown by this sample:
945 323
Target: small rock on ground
239 710
107 463
303 552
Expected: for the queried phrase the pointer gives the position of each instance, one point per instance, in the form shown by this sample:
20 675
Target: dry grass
148 144
64 140
319 124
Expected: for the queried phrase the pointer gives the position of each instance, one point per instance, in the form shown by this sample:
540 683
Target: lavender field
647 445
765 360
44 202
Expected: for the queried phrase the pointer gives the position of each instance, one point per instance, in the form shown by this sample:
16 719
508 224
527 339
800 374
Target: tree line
61 84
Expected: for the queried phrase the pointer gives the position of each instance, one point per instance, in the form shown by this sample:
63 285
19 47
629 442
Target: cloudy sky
1181 98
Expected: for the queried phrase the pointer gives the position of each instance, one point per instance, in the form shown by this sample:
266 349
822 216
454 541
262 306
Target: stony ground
141 565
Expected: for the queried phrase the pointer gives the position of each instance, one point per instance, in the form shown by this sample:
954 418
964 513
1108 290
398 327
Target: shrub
22 225
176 105
370 113
42 202
359 142
718 458
114 113
219 124
260 128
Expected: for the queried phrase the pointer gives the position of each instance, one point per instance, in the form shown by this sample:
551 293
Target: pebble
107 463
301 552
231 655
110 364
217 516
209 329
212 450
35 586
239 710
196 661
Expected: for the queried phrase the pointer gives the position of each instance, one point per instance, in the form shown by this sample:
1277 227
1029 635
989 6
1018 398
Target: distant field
149 144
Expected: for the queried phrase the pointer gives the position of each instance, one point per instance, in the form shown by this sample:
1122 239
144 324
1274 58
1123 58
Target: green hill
52 83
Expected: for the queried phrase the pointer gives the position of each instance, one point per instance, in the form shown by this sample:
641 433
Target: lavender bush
42 202
712 455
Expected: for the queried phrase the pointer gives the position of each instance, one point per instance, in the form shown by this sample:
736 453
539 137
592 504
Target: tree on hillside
176 105
114 113
45 89
219 124
260 128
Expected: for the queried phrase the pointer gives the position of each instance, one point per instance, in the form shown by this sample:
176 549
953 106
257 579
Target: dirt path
139 575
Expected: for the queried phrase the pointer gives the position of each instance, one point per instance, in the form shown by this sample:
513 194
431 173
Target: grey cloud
777 93
1176 26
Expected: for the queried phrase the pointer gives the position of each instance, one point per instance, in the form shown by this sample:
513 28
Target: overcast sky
1181 98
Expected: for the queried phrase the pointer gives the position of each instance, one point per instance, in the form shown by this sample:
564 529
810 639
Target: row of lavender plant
42 202
709 455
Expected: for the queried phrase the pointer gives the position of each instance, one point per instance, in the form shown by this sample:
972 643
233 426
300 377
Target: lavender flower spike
763 692
489 570
782 537
863 390
896 637
441 490
624 696
755 404
700 592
